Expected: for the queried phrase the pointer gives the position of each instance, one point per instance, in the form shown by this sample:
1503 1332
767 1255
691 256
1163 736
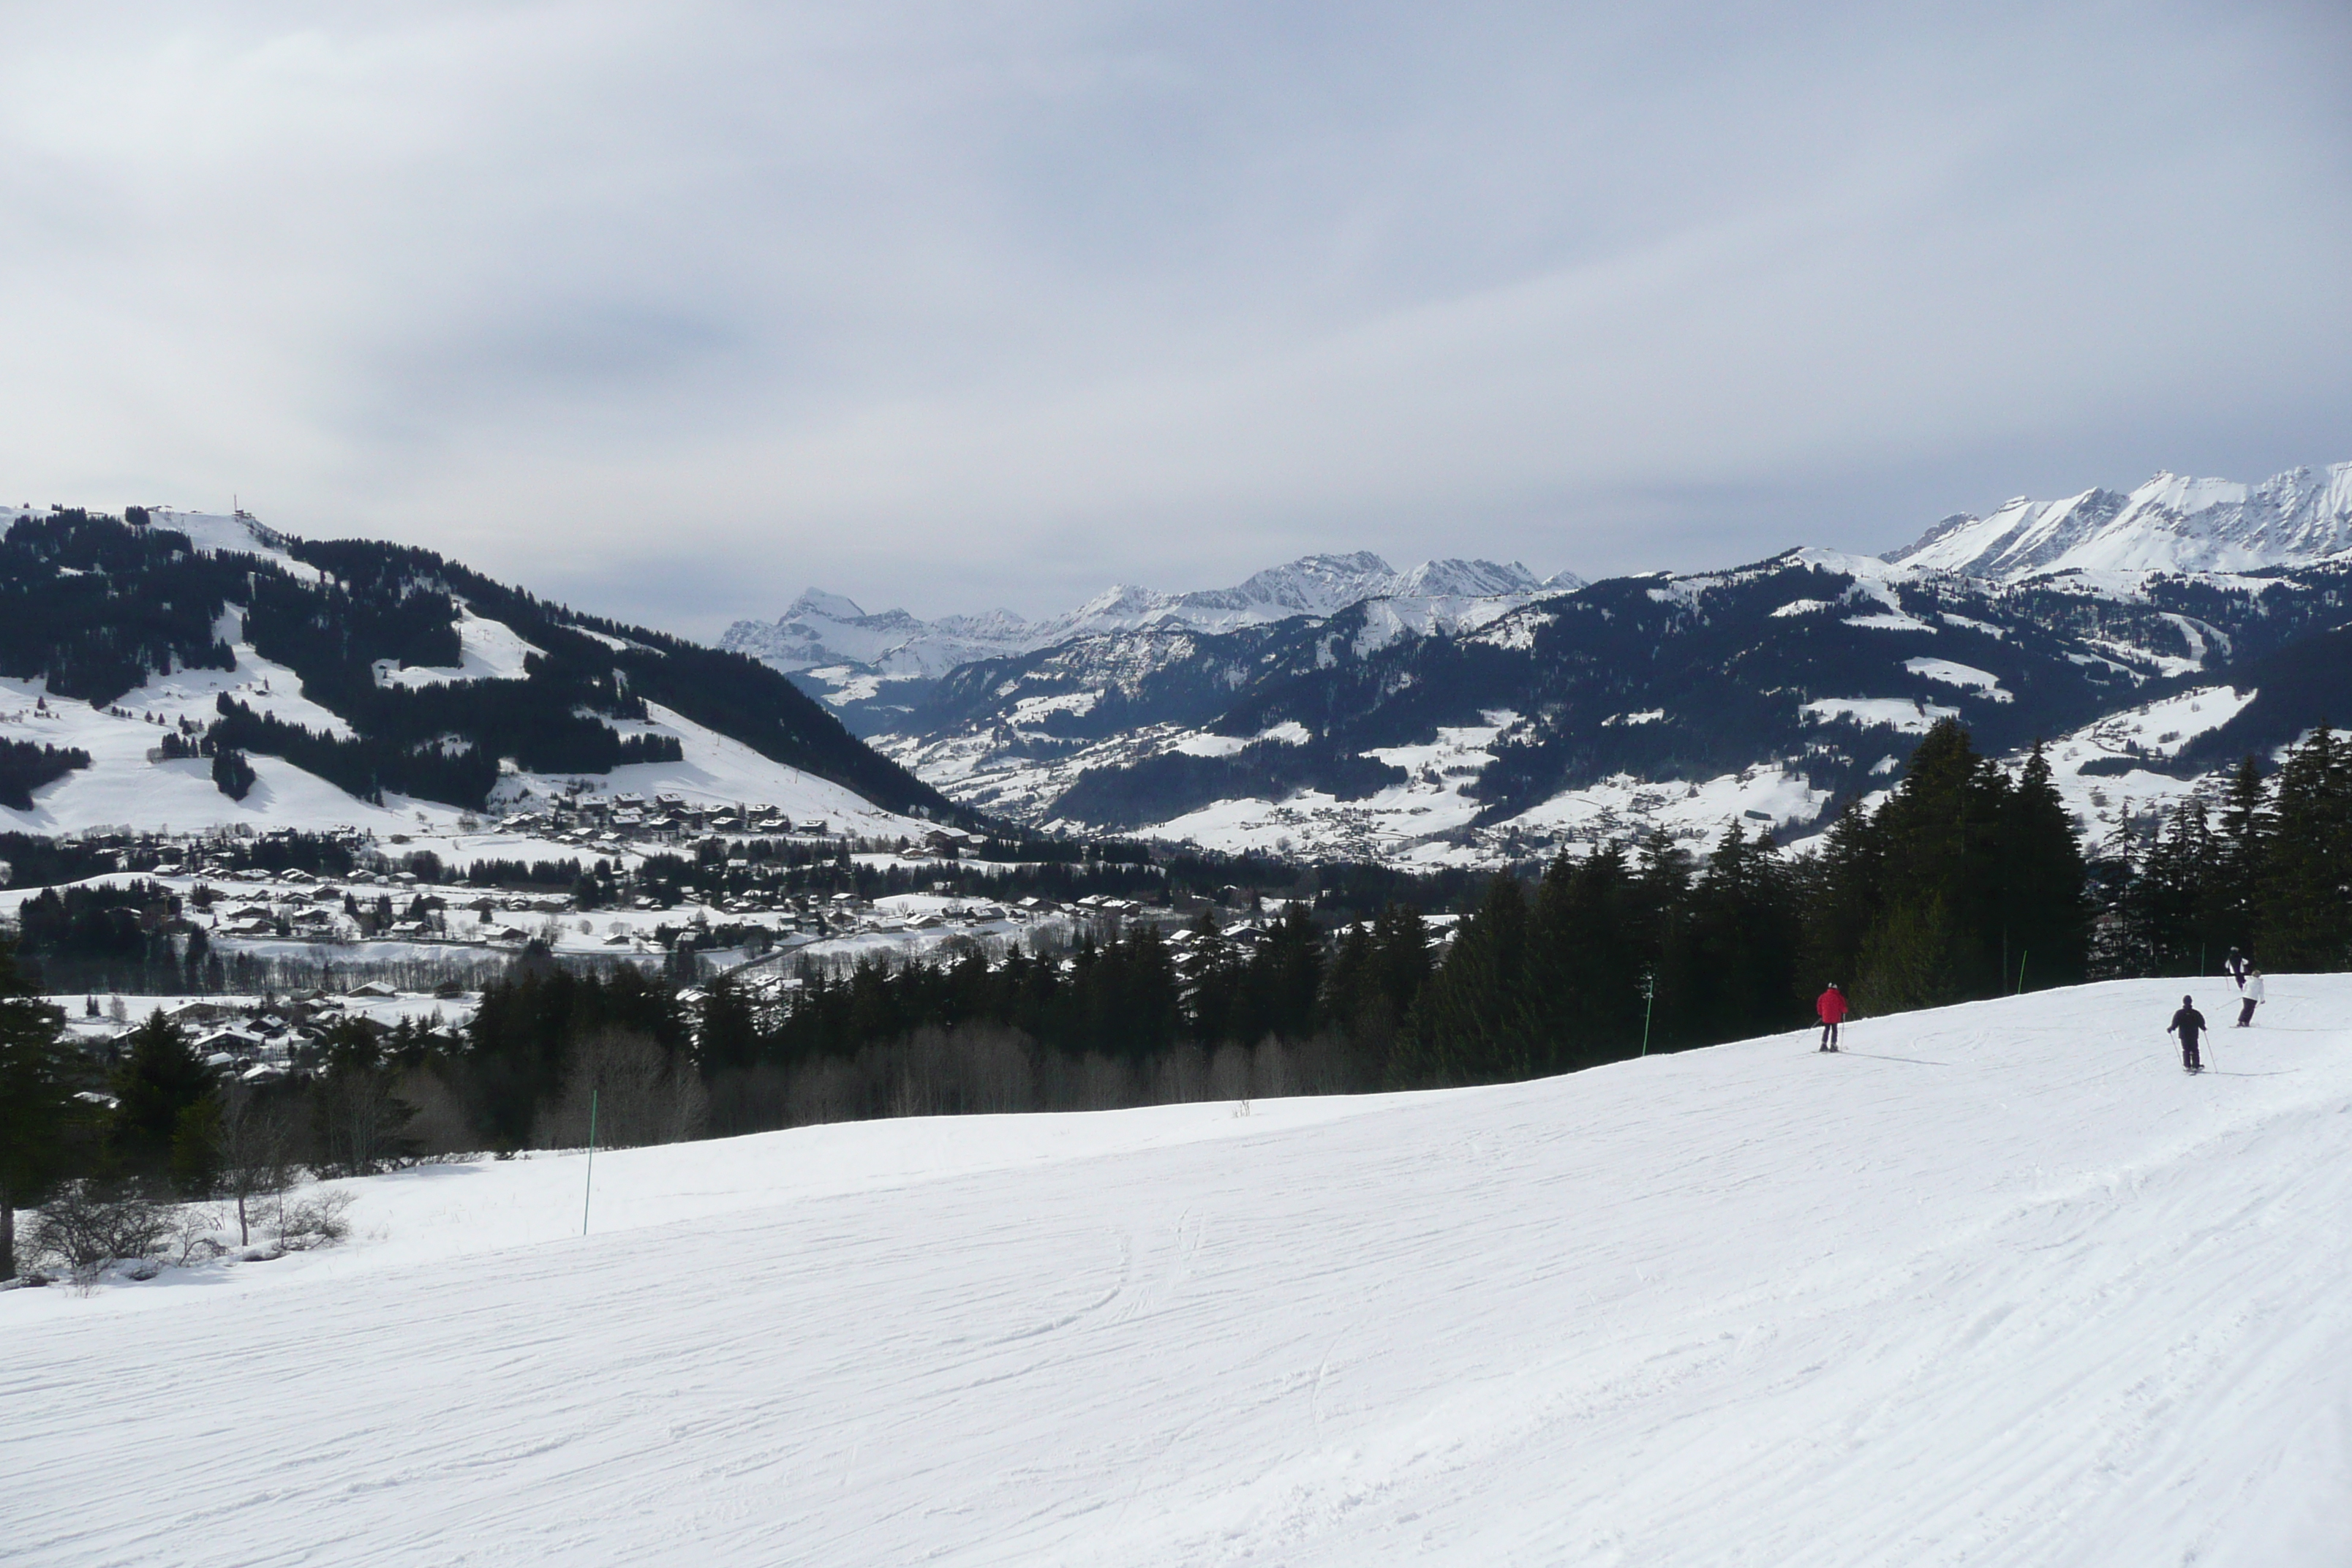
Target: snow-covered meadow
2000 1285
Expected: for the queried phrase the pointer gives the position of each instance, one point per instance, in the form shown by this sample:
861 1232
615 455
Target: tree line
1965 881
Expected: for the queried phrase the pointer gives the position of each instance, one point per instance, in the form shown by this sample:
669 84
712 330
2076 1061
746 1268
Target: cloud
676 308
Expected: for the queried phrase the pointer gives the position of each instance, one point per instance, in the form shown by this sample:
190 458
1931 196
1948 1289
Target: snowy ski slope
2001 1285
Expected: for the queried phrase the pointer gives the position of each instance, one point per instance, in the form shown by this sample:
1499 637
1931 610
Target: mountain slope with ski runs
1998 1285
372 686
1464 713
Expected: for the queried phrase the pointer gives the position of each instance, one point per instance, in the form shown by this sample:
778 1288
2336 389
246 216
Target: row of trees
1965 883
26 766
2269 877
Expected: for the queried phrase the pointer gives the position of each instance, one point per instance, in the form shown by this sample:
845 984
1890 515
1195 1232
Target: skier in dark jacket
2189 1023
1831 1008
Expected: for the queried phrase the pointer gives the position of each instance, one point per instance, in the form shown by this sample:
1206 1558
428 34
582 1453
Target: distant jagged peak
821 629
2170 522
814 601
1455 578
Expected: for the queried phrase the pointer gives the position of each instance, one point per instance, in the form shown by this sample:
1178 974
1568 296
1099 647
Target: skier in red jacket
1830 1007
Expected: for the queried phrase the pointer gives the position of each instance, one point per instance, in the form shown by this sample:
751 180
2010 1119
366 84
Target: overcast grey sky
673 308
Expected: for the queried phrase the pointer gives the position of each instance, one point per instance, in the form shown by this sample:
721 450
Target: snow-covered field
2001 1285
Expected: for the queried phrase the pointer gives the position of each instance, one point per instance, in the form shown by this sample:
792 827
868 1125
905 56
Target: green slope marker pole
2021 969
589 1186
1649 1000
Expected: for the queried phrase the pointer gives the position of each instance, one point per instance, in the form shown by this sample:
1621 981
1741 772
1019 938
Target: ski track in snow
2000 1285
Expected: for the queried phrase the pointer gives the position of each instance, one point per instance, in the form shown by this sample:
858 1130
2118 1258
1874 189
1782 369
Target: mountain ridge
371 672
2170 523
847 655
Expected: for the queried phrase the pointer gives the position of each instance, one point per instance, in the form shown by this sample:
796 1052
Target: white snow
1912 718
122 786
2171 523
489 650
1620 807
2000 1285
2160 728
1945 672
1029 710
717 771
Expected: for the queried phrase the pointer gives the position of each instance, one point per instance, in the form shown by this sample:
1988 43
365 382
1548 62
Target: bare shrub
1327 1064
1271 1073
87 1225
750 1100
1180 1076
1106 1083
943 1072
316 1221
1229 1073
831 1089
359 1123
199 1234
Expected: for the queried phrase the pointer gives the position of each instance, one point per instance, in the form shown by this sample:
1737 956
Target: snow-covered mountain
1767 694
367 685
2168 524
821 629
874 668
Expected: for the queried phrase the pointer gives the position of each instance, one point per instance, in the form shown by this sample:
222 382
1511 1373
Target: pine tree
2306 918
160 1078
35 1102
2245 828
1471 1024
2044 918
1743 940
728 1038
1594 941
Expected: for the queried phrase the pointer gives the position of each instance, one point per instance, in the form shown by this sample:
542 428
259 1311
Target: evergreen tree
1743 944
1592 944
2044 916
728 1038
2245 828
1288 977
160 1078
1474 1022
35 1100
2172 896
2306 914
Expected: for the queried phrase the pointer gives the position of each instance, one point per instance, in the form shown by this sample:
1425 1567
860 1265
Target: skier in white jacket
2253 997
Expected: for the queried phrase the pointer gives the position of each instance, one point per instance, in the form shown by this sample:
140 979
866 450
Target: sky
671 310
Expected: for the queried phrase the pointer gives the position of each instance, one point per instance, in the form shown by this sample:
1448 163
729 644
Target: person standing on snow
2236 964
2253 986
2189 1023
1831 1008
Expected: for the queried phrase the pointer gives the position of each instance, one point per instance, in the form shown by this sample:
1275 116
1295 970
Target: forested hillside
94 606
1821 666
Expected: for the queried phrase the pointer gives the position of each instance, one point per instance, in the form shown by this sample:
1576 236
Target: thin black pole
588 1187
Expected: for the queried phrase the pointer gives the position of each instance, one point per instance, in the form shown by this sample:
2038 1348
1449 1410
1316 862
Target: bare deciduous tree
255 1141
642 1095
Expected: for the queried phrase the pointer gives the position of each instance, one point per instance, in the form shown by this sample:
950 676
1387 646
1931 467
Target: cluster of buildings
252 1040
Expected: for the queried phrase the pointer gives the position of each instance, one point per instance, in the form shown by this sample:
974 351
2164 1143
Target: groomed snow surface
2000 1285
